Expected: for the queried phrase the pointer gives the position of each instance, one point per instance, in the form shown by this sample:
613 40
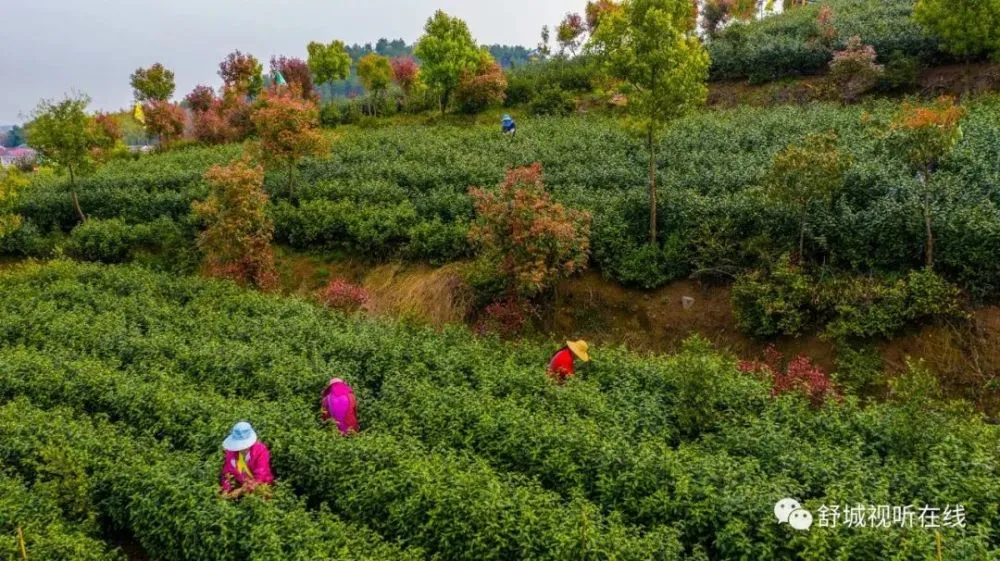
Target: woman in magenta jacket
247 463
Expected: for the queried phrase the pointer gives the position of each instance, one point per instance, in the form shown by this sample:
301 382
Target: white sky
52 47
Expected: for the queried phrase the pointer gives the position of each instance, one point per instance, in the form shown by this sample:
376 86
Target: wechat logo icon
790 511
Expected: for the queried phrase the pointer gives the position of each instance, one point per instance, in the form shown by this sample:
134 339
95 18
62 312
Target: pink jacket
258 459
338 405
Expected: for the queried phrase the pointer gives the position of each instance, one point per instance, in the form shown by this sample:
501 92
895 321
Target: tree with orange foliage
287 129
925 135
237 240
165 120
531 240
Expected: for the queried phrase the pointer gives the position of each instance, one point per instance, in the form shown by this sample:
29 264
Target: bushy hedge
403 191
789 44
467 450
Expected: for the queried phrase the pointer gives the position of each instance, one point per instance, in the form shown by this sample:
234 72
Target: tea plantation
401 191
119 383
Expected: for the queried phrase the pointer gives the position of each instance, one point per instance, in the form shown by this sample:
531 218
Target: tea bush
467 450
789 44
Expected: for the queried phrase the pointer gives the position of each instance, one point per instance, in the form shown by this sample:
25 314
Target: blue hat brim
231 444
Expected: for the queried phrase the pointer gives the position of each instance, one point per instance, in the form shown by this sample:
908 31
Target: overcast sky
52 47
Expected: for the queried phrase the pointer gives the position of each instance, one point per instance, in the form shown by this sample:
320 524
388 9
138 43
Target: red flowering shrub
342 295
797 375
507 317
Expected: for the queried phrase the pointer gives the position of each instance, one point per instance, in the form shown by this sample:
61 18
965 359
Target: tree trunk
652 188
76 200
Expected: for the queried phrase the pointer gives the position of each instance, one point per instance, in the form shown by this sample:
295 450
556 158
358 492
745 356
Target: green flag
279 80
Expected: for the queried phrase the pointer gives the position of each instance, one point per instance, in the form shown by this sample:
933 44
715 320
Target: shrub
859 369
531 240
552 101
854 71
478 90
900 72
797 375
343 295
506 318
438 242
109 241
165 120
237 241
778 302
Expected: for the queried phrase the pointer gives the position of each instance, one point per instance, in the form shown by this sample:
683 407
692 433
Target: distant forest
508 56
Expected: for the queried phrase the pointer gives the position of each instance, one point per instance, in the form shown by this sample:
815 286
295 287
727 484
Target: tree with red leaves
165 120
237 240
406 74
288 129
525 236
596 10
296 72
200 98
480 88
242 74
570 32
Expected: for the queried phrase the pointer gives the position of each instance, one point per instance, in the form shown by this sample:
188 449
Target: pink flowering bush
343 295
797 375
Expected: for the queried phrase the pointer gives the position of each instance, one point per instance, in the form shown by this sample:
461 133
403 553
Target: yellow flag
138 114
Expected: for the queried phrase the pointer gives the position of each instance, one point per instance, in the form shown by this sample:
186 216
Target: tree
650 45
242 74
525 236
296 73
925 135
802 175
63 134
155 83
965 27
596 10
406 74
237 239
375 74
165 120
569 33
544 50
287 129
108 136
14 138
200 99
483 87
446 50
329 62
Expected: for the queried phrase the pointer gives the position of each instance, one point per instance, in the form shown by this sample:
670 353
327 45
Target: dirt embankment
966 357
957 80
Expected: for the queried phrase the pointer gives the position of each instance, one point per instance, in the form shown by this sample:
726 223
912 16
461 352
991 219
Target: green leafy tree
544 49
375 74
965 27
651 46
329 63
64 134
155 83
446 50
925 135
802 175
